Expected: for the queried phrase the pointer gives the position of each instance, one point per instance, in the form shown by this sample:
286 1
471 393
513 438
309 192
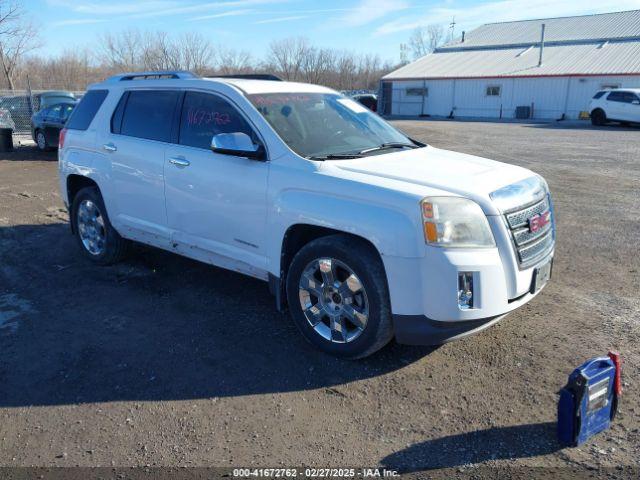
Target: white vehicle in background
617 105
363 232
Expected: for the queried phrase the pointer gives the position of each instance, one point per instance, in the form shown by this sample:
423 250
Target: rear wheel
338 296
41 141
598 117
96 236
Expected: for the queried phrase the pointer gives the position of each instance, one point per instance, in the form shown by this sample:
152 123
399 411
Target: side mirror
636 102
238 144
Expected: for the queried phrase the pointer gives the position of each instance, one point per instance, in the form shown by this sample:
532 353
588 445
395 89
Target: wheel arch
75 183
295 238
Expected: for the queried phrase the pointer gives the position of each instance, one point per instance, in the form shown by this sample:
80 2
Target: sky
364 26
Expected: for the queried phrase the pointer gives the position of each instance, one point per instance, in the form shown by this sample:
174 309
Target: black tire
41 141
366 264
115 247
598 117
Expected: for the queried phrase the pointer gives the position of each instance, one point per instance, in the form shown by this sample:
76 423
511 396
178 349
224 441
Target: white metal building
552 66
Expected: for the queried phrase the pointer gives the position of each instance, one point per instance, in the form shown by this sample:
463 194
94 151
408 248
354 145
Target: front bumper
420 330
424 290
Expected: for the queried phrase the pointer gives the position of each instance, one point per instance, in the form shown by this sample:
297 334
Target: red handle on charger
617 381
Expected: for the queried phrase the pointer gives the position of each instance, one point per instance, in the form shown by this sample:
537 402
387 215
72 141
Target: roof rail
153 75
251 76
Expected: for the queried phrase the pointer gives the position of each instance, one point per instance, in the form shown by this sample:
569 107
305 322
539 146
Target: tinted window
205 115
149 114
624 97
86 110
116 118
598 95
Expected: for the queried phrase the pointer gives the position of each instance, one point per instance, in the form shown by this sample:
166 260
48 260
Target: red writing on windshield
199 116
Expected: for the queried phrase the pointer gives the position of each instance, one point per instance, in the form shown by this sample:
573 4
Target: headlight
455 222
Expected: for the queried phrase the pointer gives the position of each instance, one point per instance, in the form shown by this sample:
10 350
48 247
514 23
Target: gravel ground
163 361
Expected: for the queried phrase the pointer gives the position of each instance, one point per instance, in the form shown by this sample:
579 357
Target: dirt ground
163 361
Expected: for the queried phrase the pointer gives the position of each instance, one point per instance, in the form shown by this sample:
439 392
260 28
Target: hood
440 171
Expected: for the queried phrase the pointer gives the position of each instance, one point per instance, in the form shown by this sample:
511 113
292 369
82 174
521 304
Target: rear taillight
63 133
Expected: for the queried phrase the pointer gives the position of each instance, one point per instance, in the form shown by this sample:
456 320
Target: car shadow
154 327
519 441
28 153
560 125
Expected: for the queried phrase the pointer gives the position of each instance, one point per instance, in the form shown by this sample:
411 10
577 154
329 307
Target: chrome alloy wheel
333 300
91 227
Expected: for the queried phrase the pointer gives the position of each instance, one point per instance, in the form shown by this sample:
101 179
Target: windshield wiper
385 146
335 156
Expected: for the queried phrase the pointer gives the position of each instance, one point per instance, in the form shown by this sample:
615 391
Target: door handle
109 147
180 161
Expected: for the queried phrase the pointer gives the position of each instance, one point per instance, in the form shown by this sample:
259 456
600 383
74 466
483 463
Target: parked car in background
47 123
369 100
20 108
53 97
363 232
617 105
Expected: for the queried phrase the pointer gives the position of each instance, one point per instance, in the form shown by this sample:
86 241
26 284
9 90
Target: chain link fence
18 106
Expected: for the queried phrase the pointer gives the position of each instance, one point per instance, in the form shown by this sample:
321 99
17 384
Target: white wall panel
549 96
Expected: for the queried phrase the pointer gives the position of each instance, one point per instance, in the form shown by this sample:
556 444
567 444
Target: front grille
531 246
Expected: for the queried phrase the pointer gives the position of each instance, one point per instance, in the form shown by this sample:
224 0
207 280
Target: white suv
618 105
363 232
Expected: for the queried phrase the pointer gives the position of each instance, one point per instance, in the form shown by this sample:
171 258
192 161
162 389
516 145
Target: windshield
325 124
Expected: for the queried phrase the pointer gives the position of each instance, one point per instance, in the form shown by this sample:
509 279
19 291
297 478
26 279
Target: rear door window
205 115
149 114
87 108
616 97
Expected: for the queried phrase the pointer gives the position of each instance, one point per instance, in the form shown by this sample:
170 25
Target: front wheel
96 236
598 117
338 296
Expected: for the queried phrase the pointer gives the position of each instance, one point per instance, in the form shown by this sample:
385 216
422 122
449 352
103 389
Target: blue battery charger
589 401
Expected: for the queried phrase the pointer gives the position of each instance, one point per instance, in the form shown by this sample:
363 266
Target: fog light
465 290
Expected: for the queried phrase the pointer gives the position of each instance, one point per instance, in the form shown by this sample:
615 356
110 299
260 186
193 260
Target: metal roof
609 26
603 44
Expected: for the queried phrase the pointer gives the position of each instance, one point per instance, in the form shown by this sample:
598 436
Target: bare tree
229 61
17 37
425 40
196 53
288 56
122 51
129 50
317 65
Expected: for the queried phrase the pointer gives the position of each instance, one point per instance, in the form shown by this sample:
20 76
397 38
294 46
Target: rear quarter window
83 114
598 95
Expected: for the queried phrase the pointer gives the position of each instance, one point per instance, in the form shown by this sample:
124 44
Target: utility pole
452 29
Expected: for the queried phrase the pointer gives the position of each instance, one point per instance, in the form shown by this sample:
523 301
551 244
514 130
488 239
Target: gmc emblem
539 221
